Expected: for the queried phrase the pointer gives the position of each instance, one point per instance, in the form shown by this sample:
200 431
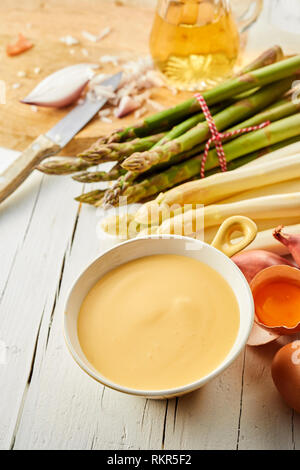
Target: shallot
266 241
252 262
61 88
292 242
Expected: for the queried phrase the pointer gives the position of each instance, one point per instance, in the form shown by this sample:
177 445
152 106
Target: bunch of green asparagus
166 149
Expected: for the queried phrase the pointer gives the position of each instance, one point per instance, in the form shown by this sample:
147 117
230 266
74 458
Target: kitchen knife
53 142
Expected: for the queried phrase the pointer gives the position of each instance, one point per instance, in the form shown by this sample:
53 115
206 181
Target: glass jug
195 43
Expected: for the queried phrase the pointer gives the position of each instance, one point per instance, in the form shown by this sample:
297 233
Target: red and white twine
217 136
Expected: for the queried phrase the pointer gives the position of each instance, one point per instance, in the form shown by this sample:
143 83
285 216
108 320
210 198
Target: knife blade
73 122
53 141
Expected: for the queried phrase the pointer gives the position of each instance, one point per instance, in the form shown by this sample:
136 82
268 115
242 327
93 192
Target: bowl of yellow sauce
158 316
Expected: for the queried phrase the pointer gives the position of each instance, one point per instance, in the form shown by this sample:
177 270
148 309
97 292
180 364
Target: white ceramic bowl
138 248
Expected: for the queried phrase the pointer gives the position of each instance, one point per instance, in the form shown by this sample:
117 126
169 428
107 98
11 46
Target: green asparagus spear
100 176
63 165
185 126
91 197
284 108
118 151
224 91
268 57
141 162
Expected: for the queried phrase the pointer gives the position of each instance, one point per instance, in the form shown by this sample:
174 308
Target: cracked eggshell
260 336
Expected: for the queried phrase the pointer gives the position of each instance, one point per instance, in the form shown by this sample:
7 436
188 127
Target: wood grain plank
33 278
266 422
15 216
209 417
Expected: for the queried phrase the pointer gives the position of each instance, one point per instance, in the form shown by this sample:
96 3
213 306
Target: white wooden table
47 402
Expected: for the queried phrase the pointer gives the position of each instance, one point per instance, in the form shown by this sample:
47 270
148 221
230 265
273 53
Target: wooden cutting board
44 23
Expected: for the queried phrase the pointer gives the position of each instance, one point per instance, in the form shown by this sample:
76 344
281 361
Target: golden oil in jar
195 43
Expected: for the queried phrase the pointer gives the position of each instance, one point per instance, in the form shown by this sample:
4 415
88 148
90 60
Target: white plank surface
47 402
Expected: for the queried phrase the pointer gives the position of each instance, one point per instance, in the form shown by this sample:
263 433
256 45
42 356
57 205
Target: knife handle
21 168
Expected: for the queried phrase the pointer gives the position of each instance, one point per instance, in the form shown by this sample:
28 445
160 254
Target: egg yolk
278 304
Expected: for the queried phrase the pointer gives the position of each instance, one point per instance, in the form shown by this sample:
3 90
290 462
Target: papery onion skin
253 261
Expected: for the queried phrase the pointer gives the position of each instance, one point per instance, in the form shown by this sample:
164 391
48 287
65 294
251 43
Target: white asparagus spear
266 241
267 207
285 187
284 152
